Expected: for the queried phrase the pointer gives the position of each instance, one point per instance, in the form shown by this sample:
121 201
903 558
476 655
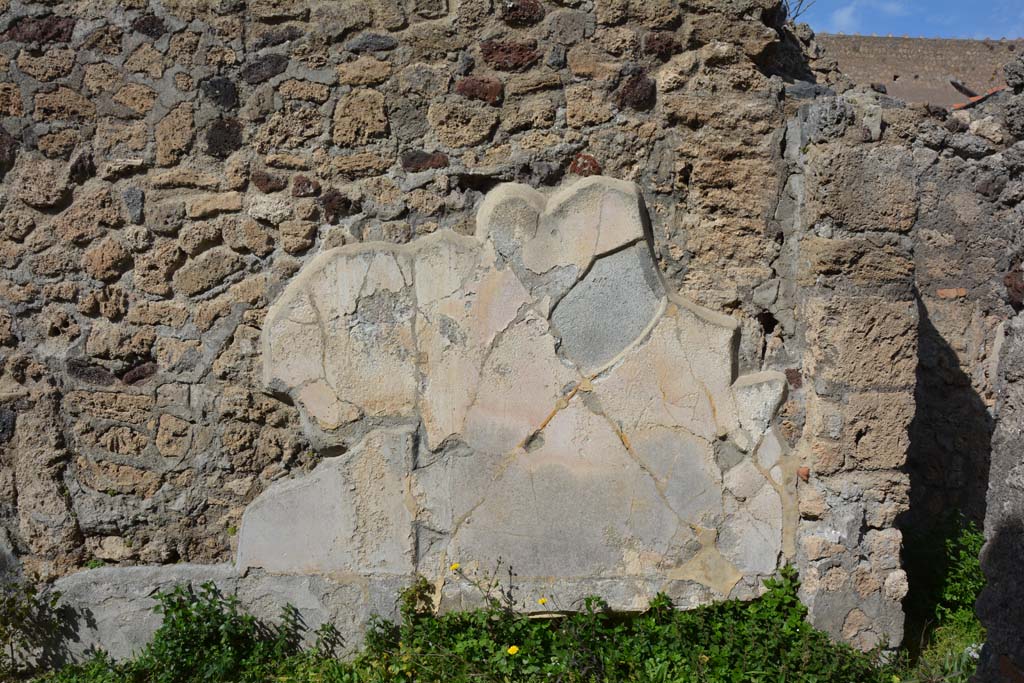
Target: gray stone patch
1001 604
727 455
553 284
315 524
7 420
8 559
568 27
112 607
383 308
610 307
371 42
451 331
134 200
827 119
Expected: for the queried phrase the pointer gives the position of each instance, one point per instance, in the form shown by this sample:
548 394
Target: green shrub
951 655
944 634
964 579
99 669
764 640
944 573
205 637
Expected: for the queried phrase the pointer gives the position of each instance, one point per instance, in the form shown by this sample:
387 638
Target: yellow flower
542 601
513 650
455 566
703 658
895 679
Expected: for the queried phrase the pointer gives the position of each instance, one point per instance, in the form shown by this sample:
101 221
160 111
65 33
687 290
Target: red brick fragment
1014 283
335 206
417 160
489 90
304 186
661 44
268 183
637 93
521 13
507 55
585 165
48 29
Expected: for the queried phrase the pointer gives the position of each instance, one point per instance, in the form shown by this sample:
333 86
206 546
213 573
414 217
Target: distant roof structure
923 70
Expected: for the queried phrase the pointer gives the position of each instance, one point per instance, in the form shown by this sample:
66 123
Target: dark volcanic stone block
264 68
509 55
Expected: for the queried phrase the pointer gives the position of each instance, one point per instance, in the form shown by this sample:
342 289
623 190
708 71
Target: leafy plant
100 668
206 637
964 579
945 580
951 655
767 639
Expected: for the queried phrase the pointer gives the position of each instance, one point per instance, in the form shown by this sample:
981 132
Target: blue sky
920 18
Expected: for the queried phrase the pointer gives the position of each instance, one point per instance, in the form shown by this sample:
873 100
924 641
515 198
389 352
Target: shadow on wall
1001 605
51 631
948 463
950 437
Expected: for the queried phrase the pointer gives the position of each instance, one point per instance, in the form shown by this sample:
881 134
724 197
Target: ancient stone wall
1001 605
184 181
171 167
920 69
854 273
960 178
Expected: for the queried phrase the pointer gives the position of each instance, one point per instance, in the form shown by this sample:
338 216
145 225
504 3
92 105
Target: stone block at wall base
111 608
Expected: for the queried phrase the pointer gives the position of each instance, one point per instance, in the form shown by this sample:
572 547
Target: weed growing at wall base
205 637
944 633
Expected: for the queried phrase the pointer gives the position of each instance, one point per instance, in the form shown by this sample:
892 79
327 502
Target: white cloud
894 8
850 18
845 19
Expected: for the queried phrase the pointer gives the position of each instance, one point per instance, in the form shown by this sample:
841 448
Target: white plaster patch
561 429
